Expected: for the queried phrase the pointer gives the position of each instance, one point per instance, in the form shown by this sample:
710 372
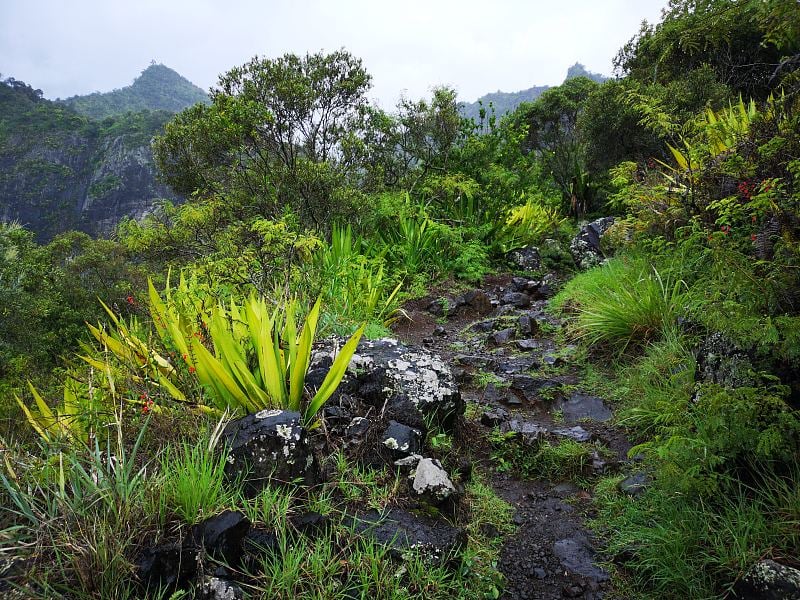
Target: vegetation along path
532 429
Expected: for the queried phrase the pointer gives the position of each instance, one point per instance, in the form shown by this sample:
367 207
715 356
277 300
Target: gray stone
268 446
527 345
577 556
417 382
577 433
531 434
494 417
527 325
499 338
430 482
635 484
516 299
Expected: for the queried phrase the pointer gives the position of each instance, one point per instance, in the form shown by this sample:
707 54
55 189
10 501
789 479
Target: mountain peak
157 88
579 70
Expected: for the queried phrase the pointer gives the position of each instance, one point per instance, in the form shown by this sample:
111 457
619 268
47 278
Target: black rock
439 331
577 556
527 325
386 371
402 531
440 307
221 536
257 544
583 406
358 428
270 445
527 345
499 338
167 566
516 299
516 364
635 484
494 417
311 523
531 434
520 283
494 394
402 440
484 326
478 301
585 247
769 580
528 386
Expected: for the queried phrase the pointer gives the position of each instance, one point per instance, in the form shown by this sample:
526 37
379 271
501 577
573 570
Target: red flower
192 369
753 237
147 407
130 299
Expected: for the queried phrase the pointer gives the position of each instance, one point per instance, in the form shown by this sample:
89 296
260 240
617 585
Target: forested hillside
157 88
404 354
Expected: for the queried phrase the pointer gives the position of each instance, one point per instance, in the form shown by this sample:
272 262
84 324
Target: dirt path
502 345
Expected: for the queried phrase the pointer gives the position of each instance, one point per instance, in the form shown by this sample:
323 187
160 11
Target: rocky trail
501 344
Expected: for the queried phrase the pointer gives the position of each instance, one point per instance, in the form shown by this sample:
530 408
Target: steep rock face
84 182
60 170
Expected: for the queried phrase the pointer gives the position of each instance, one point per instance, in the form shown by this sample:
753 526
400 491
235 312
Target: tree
274 137
553 137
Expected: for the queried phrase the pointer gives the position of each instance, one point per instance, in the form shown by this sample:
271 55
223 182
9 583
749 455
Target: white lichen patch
284 431
267 413
392 444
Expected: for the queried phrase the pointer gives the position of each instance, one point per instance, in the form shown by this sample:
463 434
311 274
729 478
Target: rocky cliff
60 170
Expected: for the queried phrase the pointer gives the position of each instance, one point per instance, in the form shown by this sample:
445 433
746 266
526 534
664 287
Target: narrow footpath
522 387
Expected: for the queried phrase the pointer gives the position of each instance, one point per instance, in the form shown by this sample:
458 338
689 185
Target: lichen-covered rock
270 445
768 580
214 588
431 483
402 440
526 259
585 247
407 384
720 361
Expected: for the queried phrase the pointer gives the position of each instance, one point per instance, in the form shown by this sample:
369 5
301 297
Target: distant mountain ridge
157 88
506 102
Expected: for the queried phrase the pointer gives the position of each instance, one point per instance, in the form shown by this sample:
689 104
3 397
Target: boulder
402 532
516 299
583 406
270 445
408 383
498 338
721 361
530 433
167 566
769 580
635 484
585 247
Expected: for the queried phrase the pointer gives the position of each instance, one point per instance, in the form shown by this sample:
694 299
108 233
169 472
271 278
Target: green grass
566 459
695 547
622 304
193 485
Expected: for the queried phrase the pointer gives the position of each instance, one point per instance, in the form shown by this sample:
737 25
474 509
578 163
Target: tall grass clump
622 304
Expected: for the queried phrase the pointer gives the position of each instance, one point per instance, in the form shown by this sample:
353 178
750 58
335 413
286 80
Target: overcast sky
68 47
